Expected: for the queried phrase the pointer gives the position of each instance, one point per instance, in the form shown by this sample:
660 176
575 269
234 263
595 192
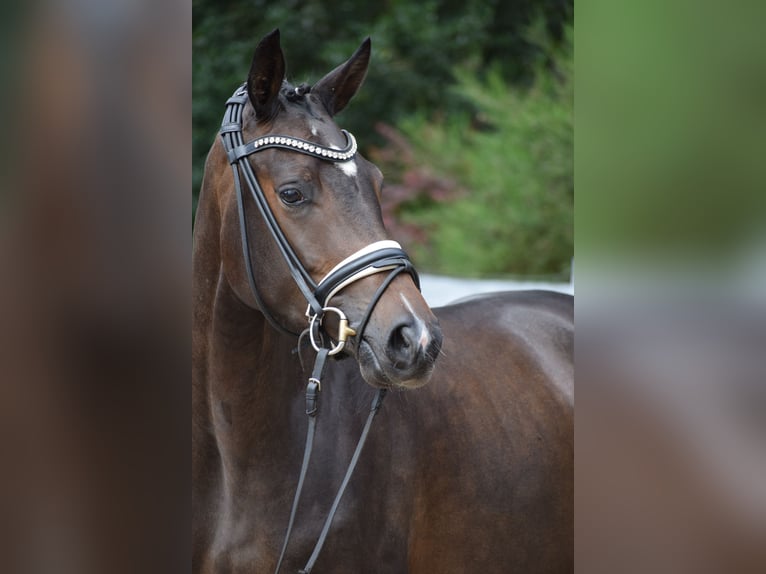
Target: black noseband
383 259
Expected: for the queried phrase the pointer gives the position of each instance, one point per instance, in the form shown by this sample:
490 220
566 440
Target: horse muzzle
401 354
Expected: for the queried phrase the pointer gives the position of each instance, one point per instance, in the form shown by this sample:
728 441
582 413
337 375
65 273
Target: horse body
463 475
470 473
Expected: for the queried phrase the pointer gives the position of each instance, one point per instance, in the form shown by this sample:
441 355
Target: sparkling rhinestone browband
296 144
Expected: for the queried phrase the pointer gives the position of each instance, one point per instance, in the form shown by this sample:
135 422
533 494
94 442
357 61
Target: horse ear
266 75
337 88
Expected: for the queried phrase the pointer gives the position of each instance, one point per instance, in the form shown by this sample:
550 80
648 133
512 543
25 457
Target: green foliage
510 165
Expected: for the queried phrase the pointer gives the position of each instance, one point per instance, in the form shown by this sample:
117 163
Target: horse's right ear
266 75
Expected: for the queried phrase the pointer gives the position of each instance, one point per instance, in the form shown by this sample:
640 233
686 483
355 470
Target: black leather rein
378 257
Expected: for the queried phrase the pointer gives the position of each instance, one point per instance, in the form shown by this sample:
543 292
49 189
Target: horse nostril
402 345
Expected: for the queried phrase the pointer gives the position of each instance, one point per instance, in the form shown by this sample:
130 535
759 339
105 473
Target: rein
378 257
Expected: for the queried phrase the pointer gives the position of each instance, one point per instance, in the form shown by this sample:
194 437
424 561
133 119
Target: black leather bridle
378 257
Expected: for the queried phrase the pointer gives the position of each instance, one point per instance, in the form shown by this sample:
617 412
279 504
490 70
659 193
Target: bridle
378 257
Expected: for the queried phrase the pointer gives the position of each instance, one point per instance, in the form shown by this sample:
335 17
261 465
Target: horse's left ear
337 88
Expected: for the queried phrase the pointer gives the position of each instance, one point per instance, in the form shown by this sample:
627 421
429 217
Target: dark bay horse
469 465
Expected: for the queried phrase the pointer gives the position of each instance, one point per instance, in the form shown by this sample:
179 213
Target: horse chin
377 376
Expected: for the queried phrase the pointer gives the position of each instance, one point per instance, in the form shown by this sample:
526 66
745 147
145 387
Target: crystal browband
294 144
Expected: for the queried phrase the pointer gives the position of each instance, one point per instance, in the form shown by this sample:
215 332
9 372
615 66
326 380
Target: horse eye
291 196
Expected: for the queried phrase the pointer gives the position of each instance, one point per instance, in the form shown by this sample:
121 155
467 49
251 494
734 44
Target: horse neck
244 374
253 376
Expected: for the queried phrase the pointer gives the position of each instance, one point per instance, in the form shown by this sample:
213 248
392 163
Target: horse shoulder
496 433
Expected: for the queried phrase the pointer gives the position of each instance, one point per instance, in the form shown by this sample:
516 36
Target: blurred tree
488 192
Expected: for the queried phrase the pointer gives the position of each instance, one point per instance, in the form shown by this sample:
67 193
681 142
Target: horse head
327 210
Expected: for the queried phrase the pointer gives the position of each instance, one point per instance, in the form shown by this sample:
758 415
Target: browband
295 144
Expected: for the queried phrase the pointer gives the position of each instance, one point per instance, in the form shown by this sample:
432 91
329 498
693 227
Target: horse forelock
296 101
299 101
295 93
